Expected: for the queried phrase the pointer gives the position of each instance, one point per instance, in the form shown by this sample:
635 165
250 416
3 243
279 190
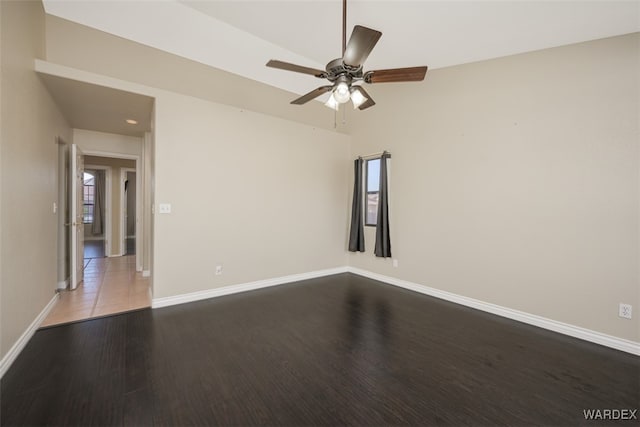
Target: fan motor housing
337 68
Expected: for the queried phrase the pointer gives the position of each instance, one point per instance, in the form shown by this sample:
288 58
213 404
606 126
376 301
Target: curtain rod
374 155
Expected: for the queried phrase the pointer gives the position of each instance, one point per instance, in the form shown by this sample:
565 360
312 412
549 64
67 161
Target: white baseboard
19 345
63 285
244 287
146 273
520 316
115 255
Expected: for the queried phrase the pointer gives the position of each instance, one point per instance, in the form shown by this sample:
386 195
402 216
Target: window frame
367 192
84 221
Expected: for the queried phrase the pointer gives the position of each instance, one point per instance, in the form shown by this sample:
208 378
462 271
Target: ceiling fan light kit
357 97
332 103
341 91
344 72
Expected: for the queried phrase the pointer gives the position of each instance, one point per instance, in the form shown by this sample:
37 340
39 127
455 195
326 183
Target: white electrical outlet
395 262
164 208
625 311
218 270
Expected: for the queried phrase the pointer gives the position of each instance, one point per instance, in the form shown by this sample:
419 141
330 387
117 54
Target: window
89 197
373 190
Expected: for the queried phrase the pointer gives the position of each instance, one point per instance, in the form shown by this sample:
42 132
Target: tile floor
111 285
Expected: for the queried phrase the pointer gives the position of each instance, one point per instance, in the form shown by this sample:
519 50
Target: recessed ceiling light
132 122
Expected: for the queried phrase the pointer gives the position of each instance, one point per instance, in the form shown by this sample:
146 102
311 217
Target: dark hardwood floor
340 350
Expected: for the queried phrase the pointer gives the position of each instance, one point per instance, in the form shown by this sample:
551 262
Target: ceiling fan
344 72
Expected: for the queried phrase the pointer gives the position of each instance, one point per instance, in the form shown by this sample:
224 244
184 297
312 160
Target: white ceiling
434 33
241 36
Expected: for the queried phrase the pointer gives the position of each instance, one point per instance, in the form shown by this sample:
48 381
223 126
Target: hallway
111 285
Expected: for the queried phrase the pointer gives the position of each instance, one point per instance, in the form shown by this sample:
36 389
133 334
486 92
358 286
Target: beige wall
262 196
2 352
102 142
115 216
515 181
30 124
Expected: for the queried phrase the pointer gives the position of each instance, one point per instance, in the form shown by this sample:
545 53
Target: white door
76 209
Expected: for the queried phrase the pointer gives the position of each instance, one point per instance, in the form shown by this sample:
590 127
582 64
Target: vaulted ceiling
241 36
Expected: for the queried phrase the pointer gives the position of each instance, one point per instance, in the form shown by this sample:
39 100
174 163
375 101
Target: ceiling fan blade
297 68
361 43
411 74
369 102
312 95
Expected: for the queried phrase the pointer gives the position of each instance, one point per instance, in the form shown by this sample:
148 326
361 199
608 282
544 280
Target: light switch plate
164 208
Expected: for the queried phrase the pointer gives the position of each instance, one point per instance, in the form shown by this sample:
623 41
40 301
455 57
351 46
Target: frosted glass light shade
341 93
332 103
358 98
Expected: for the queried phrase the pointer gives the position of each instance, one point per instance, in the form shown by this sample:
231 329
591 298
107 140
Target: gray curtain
356 235
383 240
98 208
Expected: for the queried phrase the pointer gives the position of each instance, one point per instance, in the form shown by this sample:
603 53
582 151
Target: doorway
112 283
129 219
96 208
109 236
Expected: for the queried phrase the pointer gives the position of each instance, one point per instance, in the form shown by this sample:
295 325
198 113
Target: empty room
323 212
